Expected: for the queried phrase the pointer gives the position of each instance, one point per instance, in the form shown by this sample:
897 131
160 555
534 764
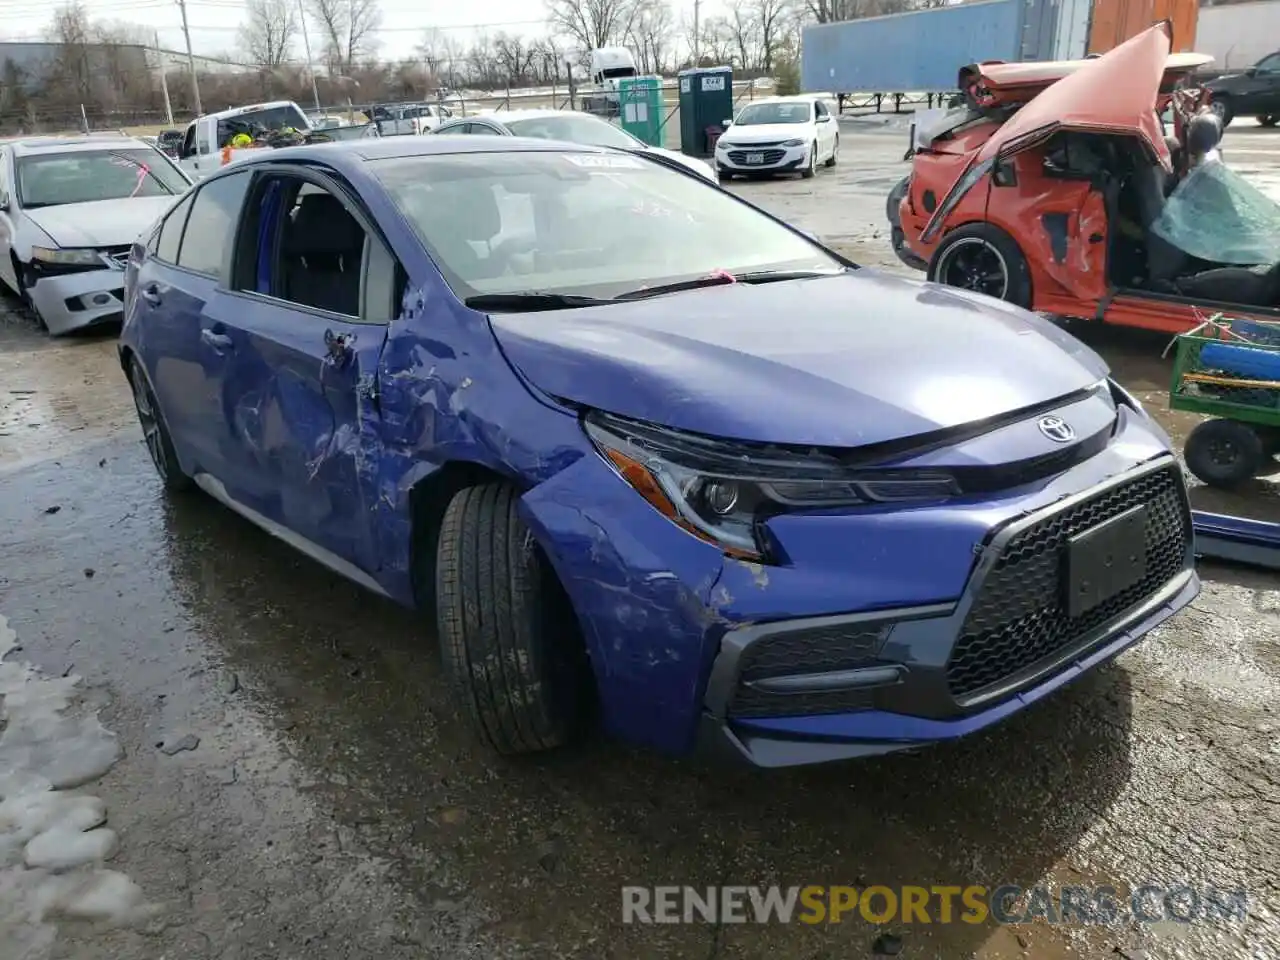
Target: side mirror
1251 72
825 119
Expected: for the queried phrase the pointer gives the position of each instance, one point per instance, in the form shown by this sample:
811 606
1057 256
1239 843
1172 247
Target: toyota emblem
1056 429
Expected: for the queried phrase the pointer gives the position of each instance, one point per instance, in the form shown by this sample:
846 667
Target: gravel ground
286 777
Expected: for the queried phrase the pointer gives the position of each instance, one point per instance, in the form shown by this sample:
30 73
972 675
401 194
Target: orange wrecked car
1059 187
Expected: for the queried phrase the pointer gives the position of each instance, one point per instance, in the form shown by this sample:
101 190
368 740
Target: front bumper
887 631
75 301
772 159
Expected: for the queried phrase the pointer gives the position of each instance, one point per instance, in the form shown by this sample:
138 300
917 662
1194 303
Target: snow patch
53 843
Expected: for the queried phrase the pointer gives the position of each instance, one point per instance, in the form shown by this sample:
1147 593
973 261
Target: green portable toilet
640 108
706 102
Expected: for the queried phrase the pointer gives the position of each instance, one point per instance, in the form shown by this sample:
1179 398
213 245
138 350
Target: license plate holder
755 158
1105 560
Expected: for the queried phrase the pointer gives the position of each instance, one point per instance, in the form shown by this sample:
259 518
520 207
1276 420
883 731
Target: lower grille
816 650
769 156
1018 617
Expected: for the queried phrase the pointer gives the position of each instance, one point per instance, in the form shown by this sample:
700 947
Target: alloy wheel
974 264
150 423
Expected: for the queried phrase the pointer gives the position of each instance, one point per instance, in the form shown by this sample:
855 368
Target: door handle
218 341
151 294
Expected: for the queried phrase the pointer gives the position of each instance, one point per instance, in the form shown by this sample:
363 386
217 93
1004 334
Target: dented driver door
301 351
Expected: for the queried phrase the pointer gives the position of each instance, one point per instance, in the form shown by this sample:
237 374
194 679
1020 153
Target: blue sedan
645 456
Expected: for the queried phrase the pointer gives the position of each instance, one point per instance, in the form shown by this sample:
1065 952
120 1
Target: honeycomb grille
818 650
1019 617
769 156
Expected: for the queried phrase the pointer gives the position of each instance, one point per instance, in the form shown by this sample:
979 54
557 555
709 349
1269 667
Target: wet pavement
293 780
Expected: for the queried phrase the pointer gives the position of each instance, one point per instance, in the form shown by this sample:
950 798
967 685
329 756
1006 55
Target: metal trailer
916 56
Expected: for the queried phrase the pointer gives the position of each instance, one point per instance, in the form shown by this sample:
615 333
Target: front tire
1224 453
835 153
512 652
811 168
1223 108
155 434
983 258
1269 120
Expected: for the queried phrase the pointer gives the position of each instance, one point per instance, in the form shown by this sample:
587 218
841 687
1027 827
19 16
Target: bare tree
443 56
650 35
348 29
72 72
593 23
268 31
744 29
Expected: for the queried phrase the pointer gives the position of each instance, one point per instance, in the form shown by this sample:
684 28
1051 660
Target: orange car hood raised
1115 93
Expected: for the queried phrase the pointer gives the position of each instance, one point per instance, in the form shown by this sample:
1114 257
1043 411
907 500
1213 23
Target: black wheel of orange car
1223 107
835 153
984 259
510 643
894 201
154 432
1224 453
811 168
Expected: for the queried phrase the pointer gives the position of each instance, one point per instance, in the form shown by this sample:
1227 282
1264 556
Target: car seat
1249 286
455 215
321 254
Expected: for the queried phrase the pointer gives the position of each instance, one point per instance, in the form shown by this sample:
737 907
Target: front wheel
983 258
512 652
811 168
835 152
1269 120
1224 453
1223 108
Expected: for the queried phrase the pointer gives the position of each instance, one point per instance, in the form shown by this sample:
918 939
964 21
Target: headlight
723 145
723 491
81 257
793 143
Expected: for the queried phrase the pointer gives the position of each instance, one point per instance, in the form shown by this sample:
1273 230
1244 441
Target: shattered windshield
82 176
1217 215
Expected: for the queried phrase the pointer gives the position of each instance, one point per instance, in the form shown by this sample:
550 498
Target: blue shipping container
923 51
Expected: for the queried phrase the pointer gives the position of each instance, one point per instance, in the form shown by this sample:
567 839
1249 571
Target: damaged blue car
646 457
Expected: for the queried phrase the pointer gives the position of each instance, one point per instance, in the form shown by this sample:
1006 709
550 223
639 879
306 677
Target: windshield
50 179
1217 215
759 113
585 224
573 128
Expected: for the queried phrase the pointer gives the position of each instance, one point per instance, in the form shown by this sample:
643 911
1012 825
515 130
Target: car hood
1116 93
766 133
102 223
700 167
840 361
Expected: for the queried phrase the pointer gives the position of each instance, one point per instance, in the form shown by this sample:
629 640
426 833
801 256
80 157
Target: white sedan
779 135
569 127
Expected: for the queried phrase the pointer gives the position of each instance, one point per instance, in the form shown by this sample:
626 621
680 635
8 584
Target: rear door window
215 210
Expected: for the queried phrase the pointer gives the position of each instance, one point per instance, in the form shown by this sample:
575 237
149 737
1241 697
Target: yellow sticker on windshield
604 161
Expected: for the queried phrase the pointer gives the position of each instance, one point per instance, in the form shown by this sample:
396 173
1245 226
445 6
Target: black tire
983 242
724 176
1224 453
1222 106
811 168
510 644
155 432
23 295
835 153
1269 120
894 201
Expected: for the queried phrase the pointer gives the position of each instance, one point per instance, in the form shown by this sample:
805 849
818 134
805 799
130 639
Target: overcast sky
214 22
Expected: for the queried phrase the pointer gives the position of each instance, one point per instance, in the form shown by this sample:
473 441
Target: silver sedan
70 209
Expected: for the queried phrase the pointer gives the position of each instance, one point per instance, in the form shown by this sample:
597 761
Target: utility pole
164 80
697 33
306 45
191 60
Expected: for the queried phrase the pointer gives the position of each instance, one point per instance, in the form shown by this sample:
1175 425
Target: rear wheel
1224 453
983 258
509 640
154 432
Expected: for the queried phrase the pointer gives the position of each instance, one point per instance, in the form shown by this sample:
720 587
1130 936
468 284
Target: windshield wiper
532 300
722 279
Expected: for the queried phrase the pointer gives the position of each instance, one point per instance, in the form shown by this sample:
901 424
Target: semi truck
921 51
607 66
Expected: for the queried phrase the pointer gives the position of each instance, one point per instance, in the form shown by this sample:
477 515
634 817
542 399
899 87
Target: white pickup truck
203 142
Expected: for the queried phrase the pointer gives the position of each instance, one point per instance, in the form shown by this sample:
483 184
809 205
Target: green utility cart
1230 370
706 102
640 108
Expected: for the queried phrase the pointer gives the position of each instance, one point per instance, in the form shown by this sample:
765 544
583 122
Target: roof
348 153
798 98
530 113
27 146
